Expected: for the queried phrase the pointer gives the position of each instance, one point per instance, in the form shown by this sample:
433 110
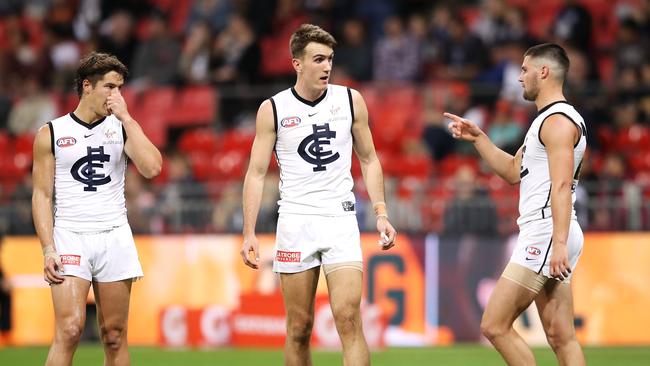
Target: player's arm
138 147
559 135
261 152
43 187
373 176
502 163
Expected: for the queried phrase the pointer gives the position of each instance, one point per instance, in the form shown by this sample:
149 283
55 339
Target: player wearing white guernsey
79 166
550 241
313 128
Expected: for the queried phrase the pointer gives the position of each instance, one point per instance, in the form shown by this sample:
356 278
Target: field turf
452 356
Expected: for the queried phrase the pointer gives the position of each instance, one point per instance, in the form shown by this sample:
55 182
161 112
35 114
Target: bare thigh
69 299
299 291
555 307
112 299
344 287
507 301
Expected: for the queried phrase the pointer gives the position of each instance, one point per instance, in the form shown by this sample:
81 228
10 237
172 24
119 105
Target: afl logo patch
290 121
533 250
66 141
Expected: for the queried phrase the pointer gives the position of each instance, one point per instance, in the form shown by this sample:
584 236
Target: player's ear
544 71
297 65
86 86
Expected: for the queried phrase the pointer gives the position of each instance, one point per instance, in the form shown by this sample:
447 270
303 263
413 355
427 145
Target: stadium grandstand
199 69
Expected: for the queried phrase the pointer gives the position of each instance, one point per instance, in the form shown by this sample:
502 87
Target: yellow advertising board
202 271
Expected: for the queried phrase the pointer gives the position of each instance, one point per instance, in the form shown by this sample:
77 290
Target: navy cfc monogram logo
84 169
311 148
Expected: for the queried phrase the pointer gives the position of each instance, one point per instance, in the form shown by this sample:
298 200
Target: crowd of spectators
411 60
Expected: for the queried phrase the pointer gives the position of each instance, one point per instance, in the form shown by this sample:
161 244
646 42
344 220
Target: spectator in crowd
117 36
607 212
631 48
463 53
492 24
235 53
396 54
156 58
21 58
354 54
64 53
20 220
435 136
141 205
194 64
184 201
234 64
573 26
470 211
215 13
504 131
33 108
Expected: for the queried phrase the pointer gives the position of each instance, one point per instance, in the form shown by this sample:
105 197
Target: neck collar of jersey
308 102
85 124
550 105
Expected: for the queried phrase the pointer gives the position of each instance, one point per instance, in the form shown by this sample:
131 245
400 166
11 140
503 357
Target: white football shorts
306 241
534 247
102 256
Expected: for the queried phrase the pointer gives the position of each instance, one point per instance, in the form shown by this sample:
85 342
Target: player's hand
387 233
52 265
116 105
250 252
559 266
462 128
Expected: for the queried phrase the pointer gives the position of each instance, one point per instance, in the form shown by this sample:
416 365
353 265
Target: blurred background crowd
199 69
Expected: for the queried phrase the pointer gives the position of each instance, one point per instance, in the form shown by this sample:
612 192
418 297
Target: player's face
528 79
316 65
111 82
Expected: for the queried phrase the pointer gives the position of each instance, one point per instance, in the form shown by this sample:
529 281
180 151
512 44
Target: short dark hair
307 33
94 66
553 52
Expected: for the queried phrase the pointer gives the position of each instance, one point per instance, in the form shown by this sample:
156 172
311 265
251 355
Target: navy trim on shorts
51 137
548 198
548 249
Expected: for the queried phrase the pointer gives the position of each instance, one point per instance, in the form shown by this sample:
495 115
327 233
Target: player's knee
299 328
558 337
70 333
491 329
348 319
112 336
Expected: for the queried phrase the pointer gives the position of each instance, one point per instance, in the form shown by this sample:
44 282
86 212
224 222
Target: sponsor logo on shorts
70 259
282 256
348 206
290 121
66 141
533 250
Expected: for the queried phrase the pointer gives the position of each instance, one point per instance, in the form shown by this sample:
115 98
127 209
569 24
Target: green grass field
456 355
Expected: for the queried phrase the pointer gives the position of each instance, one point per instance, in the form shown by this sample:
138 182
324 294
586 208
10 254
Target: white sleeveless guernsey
314 152
89 173
535 187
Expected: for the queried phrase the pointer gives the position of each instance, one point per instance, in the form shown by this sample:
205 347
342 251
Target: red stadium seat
228 166
200 140
240 140
195 105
